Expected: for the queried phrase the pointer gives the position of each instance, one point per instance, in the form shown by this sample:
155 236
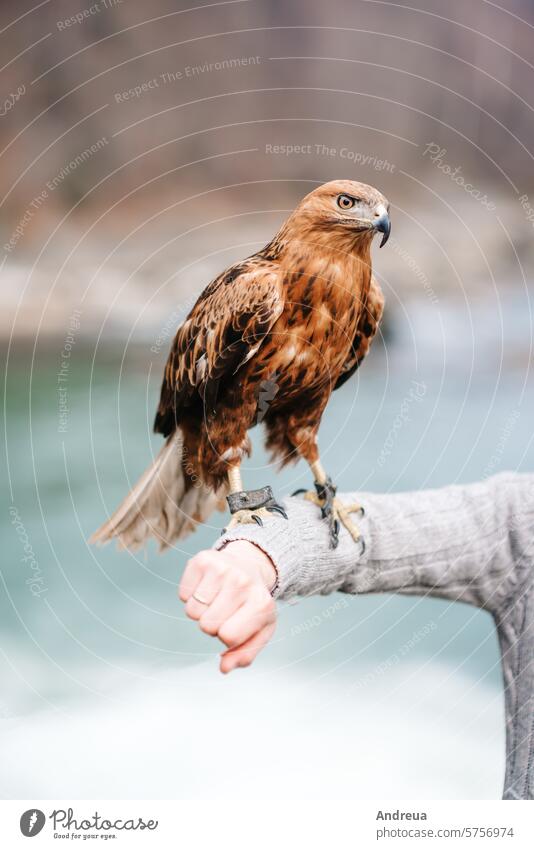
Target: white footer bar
272 823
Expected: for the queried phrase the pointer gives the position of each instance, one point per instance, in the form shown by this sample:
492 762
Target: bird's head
347 213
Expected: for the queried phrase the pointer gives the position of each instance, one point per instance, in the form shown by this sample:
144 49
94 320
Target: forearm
468 543
458 542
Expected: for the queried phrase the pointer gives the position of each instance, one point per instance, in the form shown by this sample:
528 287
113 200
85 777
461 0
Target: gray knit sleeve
458 542
472 543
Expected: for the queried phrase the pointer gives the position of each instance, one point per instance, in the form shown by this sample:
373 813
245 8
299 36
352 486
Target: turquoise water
106 620
125 605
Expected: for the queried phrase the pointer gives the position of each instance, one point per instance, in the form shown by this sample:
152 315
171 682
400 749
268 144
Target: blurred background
144 148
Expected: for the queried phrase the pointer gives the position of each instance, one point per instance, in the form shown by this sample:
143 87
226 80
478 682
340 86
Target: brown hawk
297 317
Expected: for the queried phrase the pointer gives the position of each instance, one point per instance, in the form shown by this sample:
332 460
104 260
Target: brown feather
299 315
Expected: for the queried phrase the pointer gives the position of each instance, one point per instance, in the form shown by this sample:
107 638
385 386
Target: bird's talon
298 492
246 517
334 531
277 508
335 512
252 514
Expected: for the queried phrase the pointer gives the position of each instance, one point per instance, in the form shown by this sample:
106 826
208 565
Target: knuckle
218 568
264 602
197 559
185 580
227 635
267 603
208 625
240 580
191 609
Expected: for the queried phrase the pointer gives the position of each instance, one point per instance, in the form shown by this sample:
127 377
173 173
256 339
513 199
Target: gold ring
200 600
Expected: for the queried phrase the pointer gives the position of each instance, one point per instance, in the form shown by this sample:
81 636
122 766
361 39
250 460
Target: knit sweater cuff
299 550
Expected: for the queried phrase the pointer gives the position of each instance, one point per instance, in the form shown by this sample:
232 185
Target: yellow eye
345 202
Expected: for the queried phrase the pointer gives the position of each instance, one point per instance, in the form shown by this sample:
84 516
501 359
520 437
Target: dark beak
383 225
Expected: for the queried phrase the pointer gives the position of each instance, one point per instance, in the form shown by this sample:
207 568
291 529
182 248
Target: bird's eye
345 202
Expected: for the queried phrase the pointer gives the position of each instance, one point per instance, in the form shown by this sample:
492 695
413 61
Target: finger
193 573
230 598
206 590
244 655
257 612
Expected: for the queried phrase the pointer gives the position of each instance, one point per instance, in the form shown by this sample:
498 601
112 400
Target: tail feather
162 504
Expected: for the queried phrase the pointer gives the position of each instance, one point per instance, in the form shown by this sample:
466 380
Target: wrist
254 560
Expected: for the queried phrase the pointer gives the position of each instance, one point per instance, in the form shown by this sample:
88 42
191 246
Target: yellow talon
340 512
248 517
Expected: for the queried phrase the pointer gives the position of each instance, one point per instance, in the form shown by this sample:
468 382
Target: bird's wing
224 330
368 323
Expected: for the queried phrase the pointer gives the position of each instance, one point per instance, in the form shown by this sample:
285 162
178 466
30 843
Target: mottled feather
269 339
227 324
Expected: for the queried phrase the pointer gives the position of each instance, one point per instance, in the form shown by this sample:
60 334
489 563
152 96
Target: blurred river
107 691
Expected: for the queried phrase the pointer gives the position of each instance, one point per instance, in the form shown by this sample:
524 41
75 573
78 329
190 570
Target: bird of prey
297 317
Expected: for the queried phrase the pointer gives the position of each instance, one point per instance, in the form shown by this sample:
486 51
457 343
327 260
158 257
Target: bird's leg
253 505
332 508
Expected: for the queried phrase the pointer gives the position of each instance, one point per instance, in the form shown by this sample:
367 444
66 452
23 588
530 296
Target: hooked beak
382 224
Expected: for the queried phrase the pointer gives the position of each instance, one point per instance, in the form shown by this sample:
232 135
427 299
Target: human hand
234 587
